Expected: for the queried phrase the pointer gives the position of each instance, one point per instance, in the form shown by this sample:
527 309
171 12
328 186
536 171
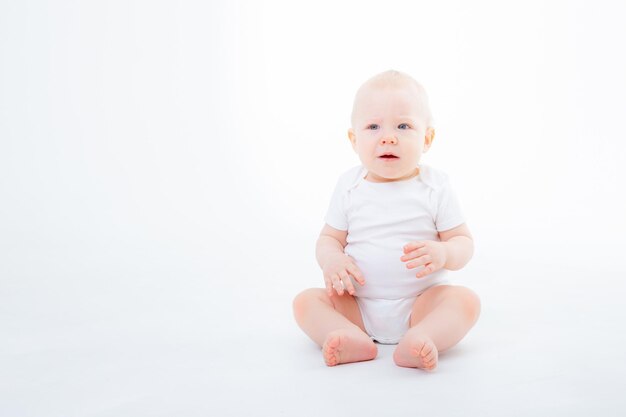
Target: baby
393 228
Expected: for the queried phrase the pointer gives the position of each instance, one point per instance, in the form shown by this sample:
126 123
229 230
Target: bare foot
344 345
416 351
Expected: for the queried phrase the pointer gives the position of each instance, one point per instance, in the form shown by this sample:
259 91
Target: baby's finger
356 273
347 282
414 254
427 270
329 285
422 260
337 284
413 245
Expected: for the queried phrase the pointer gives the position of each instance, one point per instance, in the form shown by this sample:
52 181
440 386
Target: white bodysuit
380 219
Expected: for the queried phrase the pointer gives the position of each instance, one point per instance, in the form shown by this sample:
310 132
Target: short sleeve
449 214
336 214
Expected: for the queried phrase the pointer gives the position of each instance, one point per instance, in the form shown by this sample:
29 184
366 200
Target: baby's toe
331 350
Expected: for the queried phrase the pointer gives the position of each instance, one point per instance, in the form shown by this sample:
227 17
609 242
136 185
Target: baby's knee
471 303
303 300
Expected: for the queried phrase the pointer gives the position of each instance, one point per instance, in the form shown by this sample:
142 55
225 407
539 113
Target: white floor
166 346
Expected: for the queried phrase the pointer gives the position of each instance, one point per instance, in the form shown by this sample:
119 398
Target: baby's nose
388 140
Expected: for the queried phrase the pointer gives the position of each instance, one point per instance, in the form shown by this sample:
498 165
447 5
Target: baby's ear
352 138
429 138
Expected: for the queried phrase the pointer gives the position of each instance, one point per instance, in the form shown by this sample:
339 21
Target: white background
165 168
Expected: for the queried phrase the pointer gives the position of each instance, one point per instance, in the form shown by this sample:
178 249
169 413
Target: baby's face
389 132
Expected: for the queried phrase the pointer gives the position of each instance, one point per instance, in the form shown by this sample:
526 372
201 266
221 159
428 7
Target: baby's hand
429 253
337 272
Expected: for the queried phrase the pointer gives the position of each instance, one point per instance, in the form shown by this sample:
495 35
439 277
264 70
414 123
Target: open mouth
388 156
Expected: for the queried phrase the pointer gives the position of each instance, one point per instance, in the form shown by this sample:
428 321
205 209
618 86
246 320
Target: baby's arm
453 251
336 265
459 247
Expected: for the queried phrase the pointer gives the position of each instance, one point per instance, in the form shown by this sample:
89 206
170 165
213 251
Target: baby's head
391 126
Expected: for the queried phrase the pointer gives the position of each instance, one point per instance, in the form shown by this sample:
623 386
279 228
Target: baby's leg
440 318
335 324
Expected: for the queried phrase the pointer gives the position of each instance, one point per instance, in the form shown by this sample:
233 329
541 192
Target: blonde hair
396 79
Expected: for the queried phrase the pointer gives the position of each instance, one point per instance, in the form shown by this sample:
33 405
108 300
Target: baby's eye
404 124
373 127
